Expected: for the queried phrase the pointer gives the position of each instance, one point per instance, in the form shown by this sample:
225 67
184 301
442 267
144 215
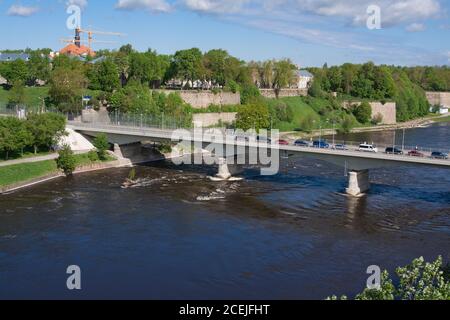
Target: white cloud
21 11
81 3
416 27
216 6
150 5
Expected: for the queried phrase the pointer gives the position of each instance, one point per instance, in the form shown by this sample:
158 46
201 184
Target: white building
304 79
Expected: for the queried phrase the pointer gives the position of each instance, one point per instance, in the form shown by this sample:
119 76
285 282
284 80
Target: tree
15 71
39 66
363 112
66 88
253 116
108 76
316 90
46 129
66 160
102 145
249 93
17 94
419 280
284 74
187 64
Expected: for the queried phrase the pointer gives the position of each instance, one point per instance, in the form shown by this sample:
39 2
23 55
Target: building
77 51
7 57
304 79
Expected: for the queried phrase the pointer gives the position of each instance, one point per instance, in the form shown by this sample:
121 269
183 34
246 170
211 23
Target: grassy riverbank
10 175
25 172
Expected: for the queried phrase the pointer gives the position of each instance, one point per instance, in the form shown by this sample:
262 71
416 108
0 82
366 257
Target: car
341 147
282 142
415 153
321 144
302 143
393 150
439 155
364 147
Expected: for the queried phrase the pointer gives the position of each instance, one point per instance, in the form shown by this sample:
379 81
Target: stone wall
203 99
439 98
270 93
387 110
212 119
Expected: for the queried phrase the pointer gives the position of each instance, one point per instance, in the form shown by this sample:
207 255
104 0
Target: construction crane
78 31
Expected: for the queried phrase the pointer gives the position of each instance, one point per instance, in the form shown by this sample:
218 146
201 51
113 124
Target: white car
368 148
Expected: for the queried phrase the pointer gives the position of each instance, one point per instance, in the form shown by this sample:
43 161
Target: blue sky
310 32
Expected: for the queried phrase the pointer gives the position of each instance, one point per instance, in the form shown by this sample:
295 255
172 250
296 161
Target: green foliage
66 89
164 148
187 64
102 145
419 280
66 160
93 156
249 93
17 94
46 129
346 125
253 116
363 112
316 90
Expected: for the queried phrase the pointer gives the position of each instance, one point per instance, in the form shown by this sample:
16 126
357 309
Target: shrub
66 160
93 156
102 145
363 112
377 119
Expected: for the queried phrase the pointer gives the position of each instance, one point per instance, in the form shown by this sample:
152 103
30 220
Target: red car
282 142
415 153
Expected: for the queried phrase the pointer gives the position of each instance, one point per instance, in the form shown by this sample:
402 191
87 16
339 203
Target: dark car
302 143
415 153
439 155
392 150
321 144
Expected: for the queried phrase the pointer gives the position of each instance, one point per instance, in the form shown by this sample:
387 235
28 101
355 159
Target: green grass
83 159
304 109
26 171
445 119
26 155
33 96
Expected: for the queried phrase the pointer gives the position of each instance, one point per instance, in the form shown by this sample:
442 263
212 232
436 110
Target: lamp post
403 144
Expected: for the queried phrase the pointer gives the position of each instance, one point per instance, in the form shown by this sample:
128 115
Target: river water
181 236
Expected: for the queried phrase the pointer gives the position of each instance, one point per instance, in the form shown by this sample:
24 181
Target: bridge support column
358 183
224 171
118 151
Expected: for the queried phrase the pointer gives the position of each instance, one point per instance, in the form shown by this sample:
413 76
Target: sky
310 32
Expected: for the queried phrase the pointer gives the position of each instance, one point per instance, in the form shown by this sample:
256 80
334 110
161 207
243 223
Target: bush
316 90
419 280
363 112
66 160
377 119
102 145
93 156
249 93
347 125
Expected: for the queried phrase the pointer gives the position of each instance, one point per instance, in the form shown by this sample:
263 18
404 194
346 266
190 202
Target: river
181 236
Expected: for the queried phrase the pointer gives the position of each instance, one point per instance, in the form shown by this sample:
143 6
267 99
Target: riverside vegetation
124 82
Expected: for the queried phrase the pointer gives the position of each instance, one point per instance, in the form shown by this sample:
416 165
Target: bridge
357 163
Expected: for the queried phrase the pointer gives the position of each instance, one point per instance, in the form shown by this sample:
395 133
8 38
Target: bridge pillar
358 183
224 171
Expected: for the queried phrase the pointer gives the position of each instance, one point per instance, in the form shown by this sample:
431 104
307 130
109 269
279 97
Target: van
368 148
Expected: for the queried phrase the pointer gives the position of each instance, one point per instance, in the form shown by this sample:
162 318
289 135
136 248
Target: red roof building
74 50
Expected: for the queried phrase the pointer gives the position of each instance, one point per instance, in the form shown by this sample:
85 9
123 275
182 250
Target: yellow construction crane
77 40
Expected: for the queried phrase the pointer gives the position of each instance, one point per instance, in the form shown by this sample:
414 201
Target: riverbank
416 123
23 175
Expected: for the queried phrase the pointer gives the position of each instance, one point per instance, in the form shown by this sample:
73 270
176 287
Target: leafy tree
66 160
419 280
17 94
249 93
102 145
363 112
187 64
16 71
46 129
347 124
316 90
284 74
66 88
39 66
108 76
253 116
